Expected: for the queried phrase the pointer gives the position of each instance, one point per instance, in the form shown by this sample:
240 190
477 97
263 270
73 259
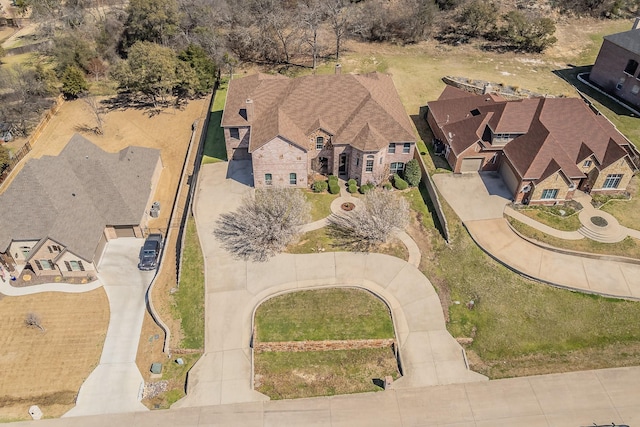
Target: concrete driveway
429 354
115 385
474 196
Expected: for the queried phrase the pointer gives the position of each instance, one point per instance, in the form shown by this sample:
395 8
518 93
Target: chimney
249 109
338 68
636 24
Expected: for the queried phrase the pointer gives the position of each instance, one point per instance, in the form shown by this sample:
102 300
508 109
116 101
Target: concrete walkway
492 233
575 399
12 291
116 383
429 355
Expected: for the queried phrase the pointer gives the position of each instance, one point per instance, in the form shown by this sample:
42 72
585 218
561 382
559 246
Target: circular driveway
234 288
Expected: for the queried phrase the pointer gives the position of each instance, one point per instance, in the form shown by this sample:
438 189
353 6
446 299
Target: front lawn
563 223
325 314
284 375
320 204
627 212
629 247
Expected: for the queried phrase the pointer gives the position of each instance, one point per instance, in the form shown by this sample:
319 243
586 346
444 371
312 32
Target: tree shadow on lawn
127 100
214 145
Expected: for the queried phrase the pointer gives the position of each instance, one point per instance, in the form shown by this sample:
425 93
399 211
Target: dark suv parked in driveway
150 252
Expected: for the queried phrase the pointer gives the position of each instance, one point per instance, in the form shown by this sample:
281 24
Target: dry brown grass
47 368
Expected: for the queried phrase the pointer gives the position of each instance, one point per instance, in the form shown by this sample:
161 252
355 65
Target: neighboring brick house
352 126
544 148
617 69
59 212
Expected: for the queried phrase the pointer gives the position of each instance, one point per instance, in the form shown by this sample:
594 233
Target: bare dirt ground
169 131
47 367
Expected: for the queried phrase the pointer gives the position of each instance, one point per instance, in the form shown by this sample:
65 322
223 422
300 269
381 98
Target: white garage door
471 164
508 177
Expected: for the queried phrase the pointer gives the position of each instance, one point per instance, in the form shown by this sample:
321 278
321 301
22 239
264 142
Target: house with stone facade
617 69
544 148
352 126
59 212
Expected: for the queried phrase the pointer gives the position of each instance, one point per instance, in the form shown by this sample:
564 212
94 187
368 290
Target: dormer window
234 133
586 163
632 67
319 143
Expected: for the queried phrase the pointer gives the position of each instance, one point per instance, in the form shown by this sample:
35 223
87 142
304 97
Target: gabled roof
71 197
555 131
629 40
342 105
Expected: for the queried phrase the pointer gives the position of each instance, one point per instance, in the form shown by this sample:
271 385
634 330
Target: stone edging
539 244
327 345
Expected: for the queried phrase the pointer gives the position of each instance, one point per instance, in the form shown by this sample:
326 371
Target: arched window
369 164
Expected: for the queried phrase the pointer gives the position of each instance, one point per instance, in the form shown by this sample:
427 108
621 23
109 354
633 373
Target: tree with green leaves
527 34
412 173
71 49
150 69
150 20
203 67
478 18
74 82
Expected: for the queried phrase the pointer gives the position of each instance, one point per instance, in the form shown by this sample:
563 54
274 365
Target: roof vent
86 157
73 194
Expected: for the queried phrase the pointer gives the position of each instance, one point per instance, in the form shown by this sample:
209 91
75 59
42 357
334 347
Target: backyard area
331 314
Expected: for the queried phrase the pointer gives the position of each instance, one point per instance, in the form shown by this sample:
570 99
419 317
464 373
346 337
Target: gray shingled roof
72 197
629 40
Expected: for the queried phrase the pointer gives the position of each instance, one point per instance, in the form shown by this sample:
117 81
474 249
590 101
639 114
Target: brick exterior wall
328 345
314 164
608 71
619 167
555 181
234 143
280 158
49 251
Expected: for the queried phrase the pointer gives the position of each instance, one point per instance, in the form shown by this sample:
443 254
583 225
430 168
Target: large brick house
544 148
60 211
352 126
617 69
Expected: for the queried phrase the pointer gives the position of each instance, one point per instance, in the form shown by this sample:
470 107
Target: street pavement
577 399
479 201
115 384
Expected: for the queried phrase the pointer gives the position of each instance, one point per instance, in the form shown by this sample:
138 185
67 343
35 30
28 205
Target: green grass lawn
564 223
629 247
320 204
285 375
627 212
325 314
189 300
214 146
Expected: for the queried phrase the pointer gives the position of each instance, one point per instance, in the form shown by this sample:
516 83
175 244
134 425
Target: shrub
387 186
366 188
412 173
400 183
333 178
352 182
334 188
320 186
352 188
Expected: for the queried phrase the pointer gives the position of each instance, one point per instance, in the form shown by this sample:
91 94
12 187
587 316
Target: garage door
508 177
471 164
241 154
124 231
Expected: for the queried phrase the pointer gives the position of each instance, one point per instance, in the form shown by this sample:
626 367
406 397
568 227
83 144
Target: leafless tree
264 224
311 16
32 320
383 213
97 111
338 13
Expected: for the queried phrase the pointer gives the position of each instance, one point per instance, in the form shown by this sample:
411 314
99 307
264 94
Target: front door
342 166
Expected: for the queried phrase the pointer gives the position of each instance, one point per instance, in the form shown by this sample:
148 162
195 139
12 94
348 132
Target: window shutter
80 265
66 264
51 264
38 264
50 249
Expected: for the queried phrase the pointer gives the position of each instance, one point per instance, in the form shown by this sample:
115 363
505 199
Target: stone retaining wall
261 347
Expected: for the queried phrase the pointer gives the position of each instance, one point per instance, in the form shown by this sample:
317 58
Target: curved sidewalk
234 288
604 277
13 291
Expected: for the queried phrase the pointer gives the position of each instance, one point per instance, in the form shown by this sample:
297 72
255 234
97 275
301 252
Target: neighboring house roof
556 132
346 106
72 197
629 40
